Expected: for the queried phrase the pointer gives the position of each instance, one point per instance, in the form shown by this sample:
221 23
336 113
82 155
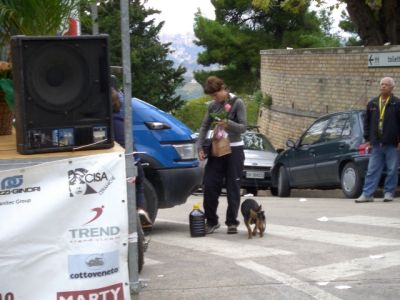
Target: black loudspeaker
62 93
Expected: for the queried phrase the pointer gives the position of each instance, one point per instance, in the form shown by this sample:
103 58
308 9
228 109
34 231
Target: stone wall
307 83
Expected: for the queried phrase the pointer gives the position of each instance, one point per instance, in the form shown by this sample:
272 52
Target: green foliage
154 78
34 17
192 112
244 27
262 99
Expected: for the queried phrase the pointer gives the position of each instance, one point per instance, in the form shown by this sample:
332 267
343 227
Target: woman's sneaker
211 228
232 229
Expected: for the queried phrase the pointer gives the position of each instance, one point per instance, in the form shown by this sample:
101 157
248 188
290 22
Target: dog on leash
253 215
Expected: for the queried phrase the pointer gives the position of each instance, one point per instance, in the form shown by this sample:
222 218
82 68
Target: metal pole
131 169
95 16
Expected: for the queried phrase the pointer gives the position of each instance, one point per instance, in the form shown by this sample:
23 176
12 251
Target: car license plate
254 174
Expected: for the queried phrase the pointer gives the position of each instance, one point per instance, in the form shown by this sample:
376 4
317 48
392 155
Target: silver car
259 159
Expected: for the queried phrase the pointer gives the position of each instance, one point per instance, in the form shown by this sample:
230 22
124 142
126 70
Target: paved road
315 248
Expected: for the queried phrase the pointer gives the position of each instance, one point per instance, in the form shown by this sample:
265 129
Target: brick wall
307 83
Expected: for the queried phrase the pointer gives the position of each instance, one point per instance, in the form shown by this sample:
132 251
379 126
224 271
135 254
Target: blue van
169 155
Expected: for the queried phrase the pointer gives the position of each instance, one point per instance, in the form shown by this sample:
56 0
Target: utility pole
131 169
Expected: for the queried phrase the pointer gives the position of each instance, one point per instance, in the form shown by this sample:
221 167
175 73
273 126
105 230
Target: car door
302 167
334 142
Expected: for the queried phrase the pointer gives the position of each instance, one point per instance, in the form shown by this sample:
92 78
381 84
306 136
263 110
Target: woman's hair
116 103
213 84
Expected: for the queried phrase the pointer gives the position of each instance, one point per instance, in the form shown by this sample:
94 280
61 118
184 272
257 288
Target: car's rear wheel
351 181
283 183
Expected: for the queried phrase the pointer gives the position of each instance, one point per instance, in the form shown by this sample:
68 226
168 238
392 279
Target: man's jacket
391 122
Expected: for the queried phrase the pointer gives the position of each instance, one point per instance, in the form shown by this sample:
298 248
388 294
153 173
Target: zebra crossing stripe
322 236
352 267
369 220
330 237
209 245
287 280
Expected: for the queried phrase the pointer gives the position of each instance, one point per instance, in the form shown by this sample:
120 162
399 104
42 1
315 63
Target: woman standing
226 168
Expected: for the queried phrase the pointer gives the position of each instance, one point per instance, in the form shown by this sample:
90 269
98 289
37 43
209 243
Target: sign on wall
64 230
384 59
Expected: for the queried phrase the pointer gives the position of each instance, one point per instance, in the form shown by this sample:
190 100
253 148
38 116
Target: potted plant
34 18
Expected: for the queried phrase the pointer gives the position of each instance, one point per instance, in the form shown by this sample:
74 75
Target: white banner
64 230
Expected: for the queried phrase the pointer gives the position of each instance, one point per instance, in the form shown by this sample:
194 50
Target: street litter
302 199
323 219
248 195
322 283
160 276
376 256
343 287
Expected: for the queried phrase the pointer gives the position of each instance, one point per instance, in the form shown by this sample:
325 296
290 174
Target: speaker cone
57 77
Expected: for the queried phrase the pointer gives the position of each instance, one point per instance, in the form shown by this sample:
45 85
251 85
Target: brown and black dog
253 214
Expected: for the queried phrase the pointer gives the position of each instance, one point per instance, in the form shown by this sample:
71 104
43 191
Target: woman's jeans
382 155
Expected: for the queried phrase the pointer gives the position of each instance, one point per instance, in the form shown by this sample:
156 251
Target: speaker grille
62 93
57 76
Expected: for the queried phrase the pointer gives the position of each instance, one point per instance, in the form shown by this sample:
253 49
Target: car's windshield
257 141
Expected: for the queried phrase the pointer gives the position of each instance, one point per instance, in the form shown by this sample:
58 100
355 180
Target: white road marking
292 282
322 236
352 267
369 220
330 237
151 262
235 250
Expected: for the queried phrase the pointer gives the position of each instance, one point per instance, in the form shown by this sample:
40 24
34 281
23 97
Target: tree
154 78
375 21
242 29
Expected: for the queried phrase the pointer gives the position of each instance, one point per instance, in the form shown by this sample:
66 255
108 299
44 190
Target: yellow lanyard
382 110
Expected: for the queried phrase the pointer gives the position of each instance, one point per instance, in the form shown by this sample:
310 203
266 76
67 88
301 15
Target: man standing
381 131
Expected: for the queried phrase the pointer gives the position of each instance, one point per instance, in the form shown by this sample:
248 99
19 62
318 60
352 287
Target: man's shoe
211 228
232 229
388 197
144 219
363 199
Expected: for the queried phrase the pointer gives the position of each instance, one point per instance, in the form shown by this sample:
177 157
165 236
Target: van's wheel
351 181
141 245
283 183
151 200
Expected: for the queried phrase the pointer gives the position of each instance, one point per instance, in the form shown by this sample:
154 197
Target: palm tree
34 17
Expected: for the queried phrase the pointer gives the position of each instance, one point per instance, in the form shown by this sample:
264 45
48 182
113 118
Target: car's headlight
186 151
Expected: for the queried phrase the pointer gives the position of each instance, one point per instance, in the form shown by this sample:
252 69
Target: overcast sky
179 14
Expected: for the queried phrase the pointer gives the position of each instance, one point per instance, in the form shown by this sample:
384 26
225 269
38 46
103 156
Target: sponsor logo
12 182
82 182
111 292
93 265
7 296
13 185
98 212
91 234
